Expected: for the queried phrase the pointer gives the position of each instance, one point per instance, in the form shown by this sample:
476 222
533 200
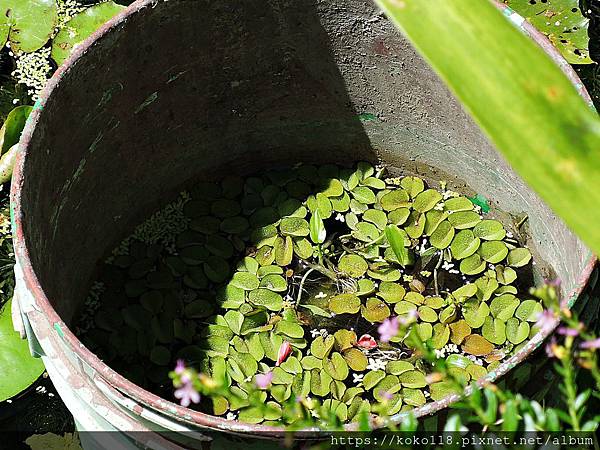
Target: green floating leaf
518 257
353 265
504 306
398 198
266 298
321 347
375 310
493 251
426 200
376 217
356 359
316 310
516 331
464 244
472 265
294 226
477 345
494 330
489 230
443 235
529 310
413 185
460 203
344 304
475 312
80 27
245 280
464 219
336 366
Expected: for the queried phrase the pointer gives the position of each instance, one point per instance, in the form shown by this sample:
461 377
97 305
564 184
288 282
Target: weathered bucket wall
173 91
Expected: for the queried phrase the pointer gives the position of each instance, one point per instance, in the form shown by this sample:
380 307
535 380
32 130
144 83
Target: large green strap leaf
518 96
18 369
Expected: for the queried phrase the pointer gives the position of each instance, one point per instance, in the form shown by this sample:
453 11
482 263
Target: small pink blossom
566 331
546 320
180 367
387 395
187 394
284 351
388 329
549 348
366 341
263 380
409 317
594 344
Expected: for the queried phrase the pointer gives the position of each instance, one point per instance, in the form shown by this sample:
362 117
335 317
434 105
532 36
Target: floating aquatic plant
315 281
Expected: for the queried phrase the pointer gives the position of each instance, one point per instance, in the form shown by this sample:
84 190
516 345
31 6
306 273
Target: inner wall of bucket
189 90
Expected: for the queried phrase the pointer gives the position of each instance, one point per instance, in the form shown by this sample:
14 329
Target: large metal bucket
172 91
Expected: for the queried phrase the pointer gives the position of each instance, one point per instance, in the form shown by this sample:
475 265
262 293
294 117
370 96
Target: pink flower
387 395
263 380
284 351
180 367
591 345
366 341
549 348
546 320
566 331
388 329
187 394
408 318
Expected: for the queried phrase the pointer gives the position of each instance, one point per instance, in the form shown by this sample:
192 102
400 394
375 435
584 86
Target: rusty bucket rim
148 399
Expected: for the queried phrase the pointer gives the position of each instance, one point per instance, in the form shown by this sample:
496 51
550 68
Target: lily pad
284 250
489 230
354 265
464 244
477 345
459 330
529 310
413 379
443 235
475 312
494 330
493 251
516 331
375 310
266 298
294 226
344 304
412 185
336 366
472 265
518 257
395 199
504 306
426 200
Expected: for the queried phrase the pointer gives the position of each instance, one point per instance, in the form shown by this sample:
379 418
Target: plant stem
324 270
435 273
570 388
302 285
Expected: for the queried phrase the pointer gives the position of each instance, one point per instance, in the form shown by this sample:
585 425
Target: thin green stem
302 285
